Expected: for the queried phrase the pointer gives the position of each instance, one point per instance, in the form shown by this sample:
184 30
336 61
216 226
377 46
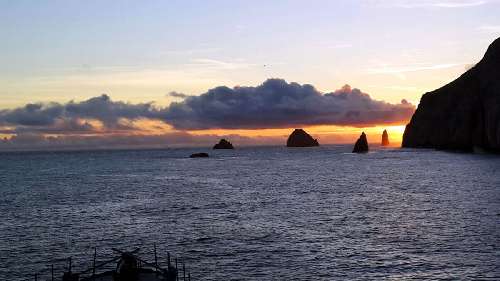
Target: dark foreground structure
128 266
464 114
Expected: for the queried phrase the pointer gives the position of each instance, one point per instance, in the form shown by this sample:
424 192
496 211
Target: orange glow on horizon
325 134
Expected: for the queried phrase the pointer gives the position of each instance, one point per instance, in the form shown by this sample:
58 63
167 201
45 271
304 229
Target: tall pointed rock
361 145
385 138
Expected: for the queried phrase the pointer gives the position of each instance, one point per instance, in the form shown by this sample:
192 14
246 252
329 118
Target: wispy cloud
240 27
412 89
218 64
177 95
439 4
410 68
489 28
191 51
340 46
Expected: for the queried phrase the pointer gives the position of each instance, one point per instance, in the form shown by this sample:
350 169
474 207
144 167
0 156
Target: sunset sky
104 73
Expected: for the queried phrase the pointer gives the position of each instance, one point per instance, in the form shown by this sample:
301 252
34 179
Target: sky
175 73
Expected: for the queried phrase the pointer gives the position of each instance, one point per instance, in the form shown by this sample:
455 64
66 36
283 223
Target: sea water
256 213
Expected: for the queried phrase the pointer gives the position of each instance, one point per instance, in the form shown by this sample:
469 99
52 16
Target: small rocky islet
223 144
300 138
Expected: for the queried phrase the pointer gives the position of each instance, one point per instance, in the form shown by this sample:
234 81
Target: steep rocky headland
464 114
300 138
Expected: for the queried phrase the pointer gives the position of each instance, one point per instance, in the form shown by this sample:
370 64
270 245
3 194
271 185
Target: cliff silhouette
464 114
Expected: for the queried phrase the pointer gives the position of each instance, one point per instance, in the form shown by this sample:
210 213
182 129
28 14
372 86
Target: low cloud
273 104
492 29
177 95
218 64
410 68
278 104
340 46
33 141
439 3
71 116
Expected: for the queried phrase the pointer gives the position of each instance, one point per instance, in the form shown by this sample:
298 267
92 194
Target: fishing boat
129 266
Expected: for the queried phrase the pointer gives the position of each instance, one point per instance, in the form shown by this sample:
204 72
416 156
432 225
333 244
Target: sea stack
361 145
299 138
464 114
385 138
223 144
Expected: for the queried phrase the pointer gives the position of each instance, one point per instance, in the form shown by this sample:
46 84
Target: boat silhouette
129 267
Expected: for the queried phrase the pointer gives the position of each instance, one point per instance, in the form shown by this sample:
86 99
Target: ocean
256 213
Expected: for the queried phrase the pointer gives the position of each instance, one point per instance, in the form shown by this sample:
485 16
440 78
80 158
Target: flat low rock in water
199 155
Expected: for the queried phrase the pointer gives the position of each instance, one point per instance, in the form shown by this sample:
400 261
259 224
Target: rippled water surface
267 213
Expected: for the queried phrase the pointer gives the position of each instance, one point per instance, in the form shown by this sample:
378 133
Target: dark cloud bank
278 104
274 104
64 117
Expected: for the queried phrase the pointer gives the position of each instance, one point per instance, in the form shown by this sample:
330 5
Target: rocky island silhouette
361 145
300 138
223 144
